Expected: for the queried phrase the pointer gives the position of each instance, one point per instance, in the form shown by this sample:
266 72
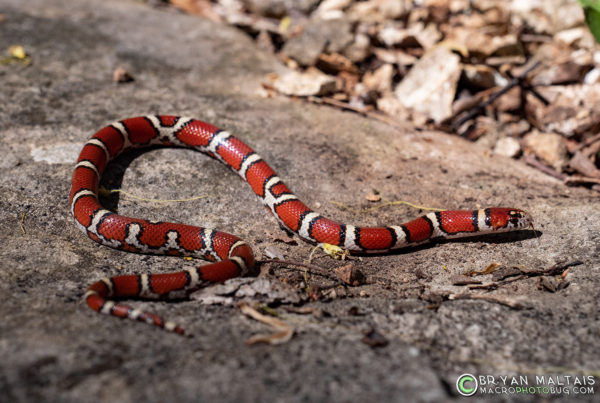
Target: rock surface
55 349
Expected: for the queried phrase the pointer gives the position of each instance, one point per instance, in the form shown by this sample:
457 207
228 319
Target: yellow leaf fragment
335 251
16 53
285 23
22 222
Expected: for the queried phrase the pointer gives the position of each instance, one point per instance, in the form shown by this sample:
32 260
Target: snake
229 255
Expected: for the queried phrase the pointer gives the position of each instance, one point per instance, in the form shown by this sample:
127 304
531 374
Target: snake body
231 256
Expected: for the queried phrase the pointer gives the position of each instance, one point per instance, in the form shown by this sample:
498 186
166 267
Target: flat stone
429 87
508 147
305 84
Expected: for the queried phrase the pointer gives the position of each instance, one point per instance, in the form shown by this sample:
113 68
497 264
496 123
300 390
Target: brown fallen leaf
200 8
334 63
283 331
281 236
492 267
350 275
547 283
374 339
121 75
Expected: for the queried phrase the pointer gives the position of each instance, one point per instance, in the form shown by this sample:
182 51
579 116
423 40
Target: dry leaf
374 339
547 283
283 333
281 236
120 75
334 63
429 87
201 8
350 275
492 267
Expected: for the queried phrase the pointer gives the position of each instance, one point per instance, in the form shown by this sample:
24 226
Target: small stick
22 222
532 161
477 109
371 114
588 142
489 298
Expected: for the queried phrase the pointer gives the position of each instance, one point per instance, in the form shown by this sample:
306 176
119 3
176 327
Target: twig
554 269
22 222
532 161
575 179
489 298
588 142
343 105
558 268
479 108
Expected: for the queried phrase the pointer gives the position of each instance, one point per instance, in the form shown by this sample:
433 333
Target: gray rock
55 349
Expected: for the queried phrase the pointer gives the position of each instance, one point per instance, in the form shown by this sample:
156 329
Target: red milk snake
232 256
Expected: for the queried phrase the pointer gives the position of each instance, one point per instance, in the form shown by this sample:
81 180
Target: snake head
519 219
501 219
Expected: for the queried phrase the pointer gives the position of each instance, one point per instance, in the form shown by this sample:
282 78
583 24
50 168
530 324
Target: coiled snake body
232 256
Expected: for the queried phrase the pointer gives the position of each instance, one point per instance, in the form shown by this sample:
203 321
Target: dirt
54 348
